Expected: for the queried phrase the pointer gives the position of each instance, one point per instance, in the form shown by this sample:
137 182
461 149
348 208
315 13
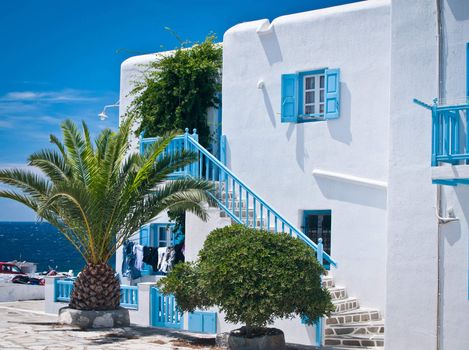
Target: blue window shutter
144 235
145 241
289 100
332 93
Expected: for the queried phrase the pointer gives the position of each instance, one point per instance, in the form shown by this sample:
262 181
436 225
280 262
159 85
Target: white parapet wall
18 292
50 305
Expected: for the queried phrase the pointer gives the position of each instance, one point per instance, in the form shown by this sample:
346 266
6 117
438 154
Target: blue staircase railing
232 195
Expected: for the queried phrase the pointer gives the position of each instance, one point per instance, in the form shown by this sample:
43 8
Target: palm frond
98 194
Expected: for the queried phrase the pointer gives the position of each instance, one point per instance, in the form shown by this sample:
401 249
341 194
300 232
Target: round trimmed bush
253 276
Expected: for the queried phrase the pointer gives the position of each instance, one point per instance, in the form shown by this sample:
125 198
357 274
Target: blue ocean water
40 243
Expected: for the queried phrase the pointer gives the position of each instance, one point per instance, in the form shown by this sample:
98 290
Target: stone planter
273 339
94 319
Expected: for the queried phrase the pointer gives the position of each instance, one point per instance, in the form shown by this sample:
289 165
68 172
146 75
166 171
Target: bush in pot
254 277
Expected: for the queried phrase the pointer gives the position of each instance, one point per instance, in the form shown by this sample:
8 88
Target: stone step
338 293
236 203
373 328
364 342
347 304
354 316
328 282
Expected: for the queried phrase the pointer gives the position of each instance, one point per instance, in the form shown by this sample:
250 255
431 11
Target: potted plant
253 277
97 195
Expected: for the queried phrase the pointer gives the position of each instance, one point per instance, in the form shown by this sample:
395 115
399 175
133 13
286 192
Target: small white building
320 123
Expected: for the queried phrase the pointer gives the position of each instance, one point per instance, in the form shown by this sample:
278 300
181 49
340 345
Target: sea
41 243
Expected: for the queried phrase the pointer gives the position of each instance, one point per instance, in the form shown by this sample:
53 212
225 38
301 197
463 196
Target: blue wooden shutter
332 93
289 100
145 241
144 235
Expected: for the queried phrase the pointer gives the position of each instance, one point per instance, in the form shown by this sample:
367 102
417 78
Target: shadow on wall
268 107
459 8
450 235
271 47
340 129
300 151
352 193
452 231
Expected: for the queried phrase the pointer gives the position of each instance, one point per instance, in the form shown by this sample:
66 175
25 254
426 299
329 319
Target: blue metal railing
63 290
129 297
236 199
450 132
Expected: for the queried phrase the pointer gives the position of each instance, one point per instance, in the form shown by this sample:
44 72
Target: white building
320 122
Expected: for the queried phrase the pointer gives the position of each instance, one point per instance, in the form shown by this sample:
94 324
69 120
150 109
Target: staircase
350 325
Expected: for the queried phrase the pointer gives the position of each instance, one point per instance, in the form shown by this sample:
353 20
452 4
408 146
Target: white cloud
65 95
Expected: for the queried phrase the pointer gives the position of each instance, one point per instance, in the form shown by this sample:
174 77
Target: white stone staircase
351 325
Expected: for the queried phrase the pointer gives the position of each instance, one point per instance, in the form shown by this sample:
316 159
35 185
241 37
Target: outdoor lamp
103 115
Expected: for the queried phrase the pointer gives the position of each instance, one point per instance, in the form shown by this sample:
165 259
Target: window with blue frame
162 235
310 96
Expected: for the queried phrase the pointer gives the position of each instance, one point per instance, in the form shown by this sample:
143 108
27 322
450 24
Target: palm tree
98 195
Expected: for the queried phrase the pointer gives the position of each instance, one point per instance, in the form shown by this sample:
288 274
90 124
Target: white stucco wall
277 159
16 292
454 303
412 229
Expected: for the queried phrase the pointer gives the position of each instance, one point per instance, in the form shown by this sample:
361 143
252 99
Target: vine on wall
178 89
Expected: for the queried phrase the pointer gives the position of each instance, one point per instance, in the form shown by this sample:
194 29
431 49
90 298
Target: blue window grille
310 96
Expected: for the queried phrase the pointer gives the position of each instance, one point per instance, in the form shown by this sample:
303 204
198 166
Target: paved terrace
24 325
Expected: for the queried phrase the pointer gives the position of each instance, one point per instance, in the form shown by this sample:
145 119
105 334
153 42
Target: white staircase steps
351 326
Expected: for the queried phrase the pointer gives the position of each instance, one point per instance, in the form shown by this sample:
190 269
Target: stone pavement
23 325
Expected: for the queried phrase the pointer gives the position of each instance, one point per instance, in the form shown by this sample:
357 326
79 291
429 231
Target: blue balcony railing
450 132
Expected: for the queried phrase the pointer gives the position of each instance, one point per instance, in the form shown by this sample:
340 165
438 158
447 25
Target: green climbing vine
178 89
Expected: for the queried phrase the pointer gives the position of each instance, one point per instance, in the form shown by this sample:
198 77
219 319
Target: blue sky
60 59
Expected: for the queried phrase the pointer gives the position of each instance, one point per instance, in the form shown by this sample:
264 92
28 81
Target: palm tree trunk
96 288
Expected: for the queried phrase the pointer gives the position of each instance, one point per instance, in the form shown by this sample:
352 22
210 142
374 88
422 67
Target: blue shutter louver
289 105
332 106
